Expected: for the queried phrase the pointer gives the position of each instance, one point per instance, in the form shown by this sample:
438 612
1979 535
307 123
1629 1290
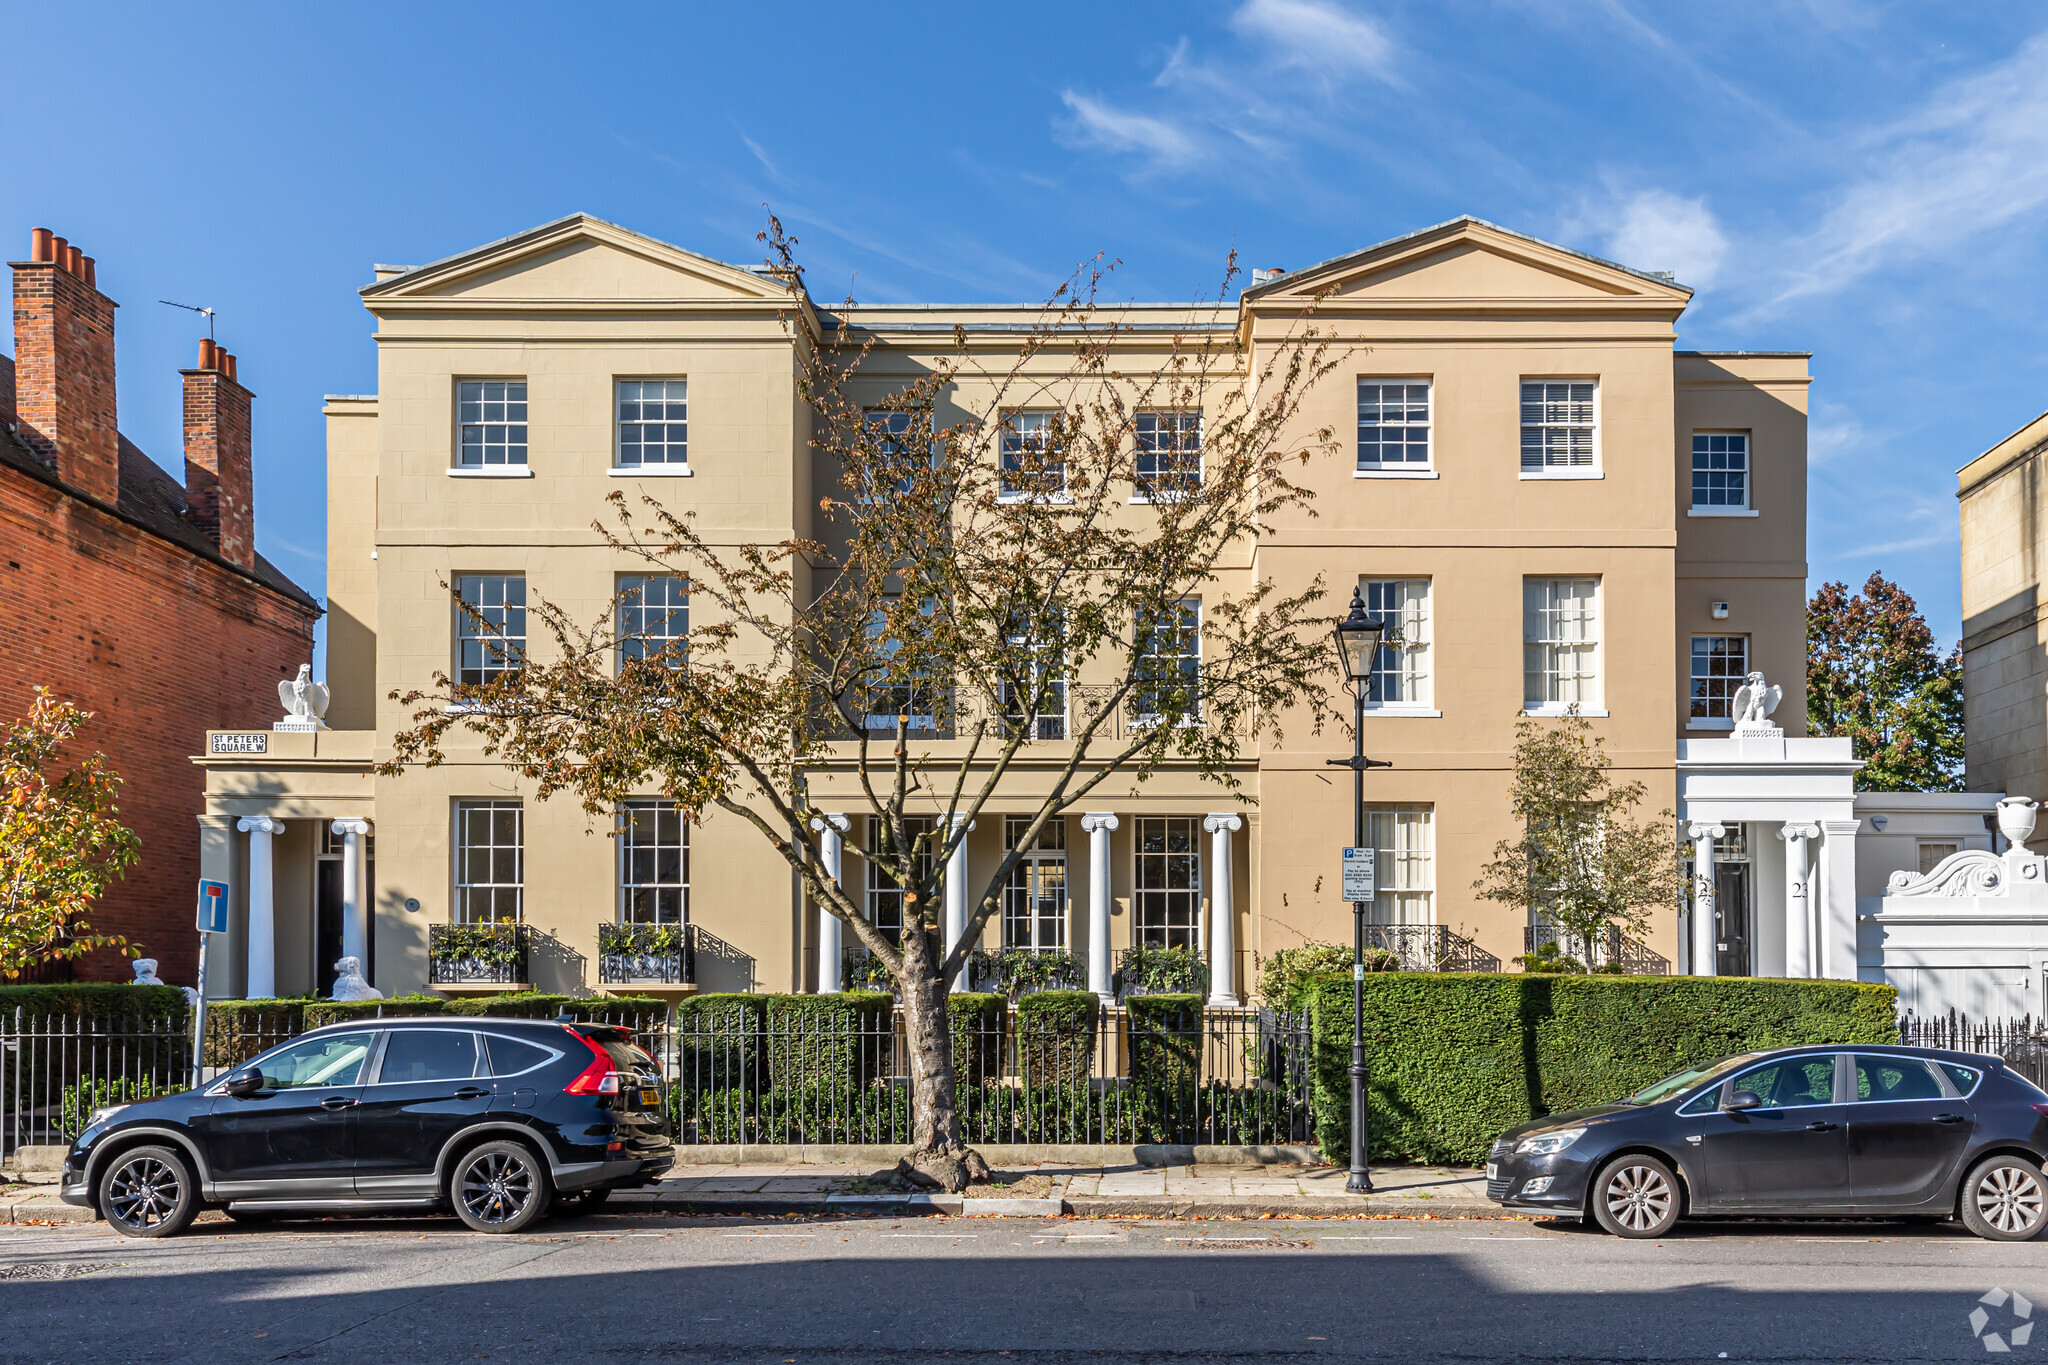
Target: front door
1906 1134
295 1137
326 923
1790 1152
1731 919
429 1086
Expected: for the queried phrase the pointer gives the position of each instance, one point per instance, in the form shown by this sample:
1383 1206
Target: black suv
495 1118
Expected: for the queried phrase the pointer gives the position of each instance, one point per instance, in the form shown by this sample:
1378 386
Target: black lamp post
1358 643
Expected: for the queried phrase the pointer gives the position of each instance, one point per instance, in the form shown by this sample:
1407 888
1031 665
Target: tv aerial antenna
207 313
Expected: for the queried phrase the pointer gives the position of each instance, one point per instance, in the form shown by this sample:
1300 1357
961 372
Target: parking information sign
213 907
1358 874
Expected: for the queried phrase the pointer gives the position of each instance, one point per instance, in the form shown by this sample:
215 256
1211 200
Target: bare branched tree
1034 553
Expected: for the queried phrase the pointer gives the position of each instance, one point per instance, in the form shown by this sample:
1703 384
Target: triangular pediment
1468 261
577 259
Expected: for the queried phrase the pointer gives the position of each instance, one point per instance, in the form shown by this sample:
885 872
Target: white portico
1772 824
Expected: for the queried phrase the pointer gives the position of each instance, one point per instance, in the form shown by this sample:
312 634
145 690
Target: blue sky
1864 181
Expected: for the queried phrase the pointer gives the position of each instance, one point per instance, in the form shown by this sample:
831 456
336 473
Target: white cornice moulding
1722 512
681 471
506 473
1395 474
1561 475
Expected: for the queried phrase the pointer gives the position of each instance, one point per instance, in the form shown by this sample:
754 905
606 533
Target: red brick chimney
64 366
219 490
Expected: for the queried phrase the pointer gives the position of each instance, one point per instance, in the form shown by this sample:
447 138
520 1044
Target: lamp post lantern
1358 638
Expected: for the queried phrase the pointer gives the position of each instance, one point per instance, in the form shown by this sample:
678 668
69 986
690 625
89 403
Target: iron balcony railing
478 954
1610 947
646 954
1020 971
1429 948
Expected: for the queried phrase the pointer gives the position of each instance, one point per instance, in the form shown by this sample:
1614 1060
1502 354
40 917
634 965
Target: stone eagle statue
303 698
1754 702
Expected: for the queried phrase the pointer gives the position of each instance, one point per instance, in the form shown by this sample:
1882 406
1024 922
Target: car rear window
428 1054
626 1057
1965 1078
1894 1078
509 1056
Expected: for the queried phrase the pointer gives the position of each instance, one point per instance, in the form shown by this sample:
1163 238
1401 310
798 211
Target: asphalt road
1042 1291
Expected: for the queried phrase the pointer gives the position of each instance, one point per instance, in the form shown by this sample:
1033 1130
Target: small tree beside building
1584 863
61 841
1874 677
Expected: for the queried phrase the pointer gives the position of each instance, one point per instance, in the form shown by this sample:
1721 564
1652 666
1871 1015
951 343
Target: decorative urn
2016 819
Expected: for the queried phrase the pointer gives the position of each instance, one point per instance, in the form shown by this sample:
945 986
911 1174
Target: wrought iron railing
478 954
56 1069
1610 949
2022 1043
1150 1073
1020 971
1430 948
646 954
1149 969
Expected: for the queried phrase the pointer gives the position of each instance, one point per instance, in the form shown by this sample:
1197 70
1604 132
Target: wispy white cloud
1833 432
1657 230
1120 130
1325 39
1968 162
1889 547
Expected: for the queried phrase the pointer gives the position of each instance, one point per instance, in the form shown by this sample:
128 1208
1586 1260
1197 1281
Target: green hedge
1457 1058
1166 1042
976 1020
718 1040
320 1013
1056 1037
535 1005
835 1042
237 1030
93 1000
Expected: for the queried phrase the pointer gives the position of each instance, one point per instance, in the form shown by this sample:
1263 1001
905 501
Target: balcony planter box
646 954
478 956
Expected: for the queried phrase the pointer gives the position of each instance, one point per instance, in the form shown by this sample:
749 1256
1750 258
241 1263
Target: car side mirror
1744 1099
243 1084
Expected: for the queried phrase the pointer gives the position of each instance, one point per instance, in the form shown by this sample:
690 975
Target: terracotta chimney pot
206 354
90 278
39 245
60 252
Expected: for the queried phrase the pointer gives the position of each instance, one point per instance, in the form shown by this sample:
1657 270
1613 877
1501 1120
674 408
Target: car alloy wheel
2004 1199
500 1187
148 1193
1636 1197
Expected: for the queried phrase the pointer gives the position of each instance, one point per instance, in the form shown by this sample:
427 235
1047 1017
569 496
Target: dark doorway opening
1732 919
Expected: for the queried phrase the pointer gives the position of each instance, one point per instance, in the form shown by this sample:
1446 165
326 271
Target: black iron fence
55 1070
1099 1074
1610 948
647 954
1430 948
478 954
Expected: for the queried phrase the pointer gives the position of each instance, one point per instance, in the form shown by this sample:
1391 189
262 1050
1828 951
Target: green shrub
626 1009
93 1000
718 1044
1166 1044
1458 1058
320 1013
1164 970
1056 1037
976 1021
1548 957
237 1030
80 1100
827 1041
1284 975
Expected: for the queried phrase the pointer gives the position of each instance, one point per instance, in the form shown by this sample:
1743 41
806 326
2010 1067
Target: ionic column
262 940
1704 930
831 835
956 897
1222 910
1099 825
1798 902
355 919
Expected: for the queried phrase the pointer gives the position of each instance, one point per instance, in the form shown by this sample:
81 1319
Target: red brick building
122 590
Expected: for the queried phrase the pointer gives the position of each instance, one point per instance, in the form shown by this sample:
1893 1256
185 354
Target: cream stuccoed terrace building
1555 505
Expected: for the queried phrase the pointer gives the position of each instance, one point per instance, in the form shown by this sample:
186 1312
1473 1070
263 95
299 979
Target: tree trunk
937 1157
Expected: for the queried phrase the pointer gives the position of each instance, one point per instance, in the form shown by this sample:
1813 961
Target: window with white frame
885 893
490 862
490 626
1720 469
1557 424
1404 863
1169 668
1720 664
1169 452
1393 424
654 423
492 415
1560 643
654 863
1166 899
1035 699
654 619
900 440
1400 670
1031 466
897 685
1035 895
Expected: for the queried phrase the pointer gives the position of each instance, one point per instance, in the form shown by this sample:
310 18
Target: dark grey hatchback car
495 1119
1828 1132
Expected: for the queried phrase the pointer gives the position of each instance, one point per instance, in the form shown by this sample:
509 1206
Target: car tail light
596 1079
2042 1110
